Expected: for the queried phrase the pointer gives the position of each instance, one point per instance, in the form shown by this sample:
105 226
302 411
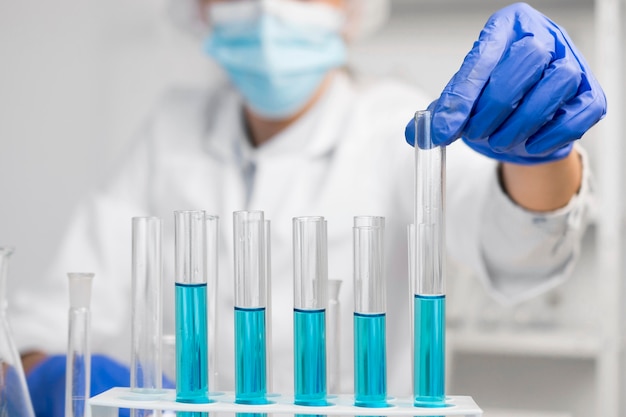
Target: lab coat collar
315 134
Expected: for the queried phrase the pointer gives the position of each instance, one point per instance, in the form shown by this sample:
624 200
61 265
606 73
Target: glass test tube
268 308
428 264
145 362
333 332
370 356
212 236
250 293
78 367
191 307
310 301
14 396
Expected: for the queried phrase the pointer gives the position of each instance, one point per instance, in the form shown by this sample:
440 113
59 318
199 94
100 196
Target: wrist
543 187
31 359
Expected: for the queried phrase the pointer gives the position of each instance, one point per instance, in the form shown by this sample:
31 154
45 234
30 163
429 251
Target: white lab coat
345 157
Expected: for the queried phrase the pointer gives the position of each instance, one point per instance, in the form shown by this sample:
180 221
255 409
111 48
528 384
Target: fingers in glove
520 69
458 99
571 121
559 85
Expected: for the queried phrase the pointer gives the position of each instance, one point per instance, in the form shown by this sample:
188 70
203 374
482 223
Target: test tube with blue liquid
310 260
370 355
250 303
428 268
191 307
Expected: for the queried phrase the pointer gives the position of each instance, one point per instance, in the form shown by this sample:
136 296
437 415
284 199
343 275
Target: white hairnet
363 17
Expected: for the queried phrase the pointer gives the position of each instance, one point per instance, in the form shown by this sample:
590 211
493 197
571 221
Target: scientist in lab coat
292 133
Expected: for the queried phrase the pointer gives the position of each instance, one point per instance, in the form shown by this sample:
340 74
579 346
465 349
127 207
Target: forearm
544 187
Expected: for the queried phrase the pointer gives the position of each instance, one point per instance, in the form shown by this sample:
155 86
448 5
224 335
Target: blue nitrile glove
523 93
46 383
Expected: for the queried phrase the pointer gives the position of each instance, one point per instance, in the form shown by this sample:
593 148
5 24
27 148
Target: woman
293 134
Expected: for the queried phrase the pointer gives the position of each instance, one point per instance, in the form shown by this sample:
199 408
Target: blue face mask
276 63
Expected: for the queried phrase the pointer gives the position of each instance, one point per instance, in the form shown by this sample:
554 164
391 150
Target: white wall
78 76
76 79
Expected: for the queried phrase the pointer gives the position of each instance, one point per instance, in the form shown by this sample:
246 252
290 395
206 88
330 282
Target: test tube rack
108 403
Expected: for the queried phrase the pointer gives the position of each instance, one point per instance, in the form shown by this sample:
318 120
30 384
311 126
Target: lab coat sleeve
98 240
517 253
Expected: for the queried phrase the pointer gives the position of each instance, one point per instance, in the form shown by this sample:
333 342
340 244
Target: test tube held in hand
428 268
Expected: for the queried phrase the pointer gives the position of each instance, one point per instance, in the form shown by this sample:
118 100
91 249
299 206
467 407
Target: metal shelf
561 343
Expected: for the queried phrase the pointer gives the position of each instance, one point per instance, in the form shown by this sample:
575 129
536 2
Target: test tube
370 355
78 366
145 370
268 308
333 337
15 399
428 264
191 307
250 293
212 235
310 301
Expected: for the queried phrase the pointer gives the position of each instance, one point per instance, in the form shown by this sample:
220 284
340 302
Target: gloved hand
46 383
523 93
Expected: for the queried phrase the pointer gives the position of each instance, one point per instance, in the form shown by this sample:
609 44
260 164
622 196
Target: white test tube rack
108 403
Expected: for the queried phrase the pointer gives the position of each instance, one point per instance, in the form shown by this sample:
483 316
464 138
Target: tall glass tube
429 295
268 308
250 294
78 367
146 323
310 302
191 307
212 236
370 308
333 336
14 396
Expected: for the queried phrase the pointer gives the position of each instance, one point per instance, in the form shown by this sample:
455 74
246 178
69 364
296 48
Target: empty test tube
370 356
15 400
310 259
146 324
268 308
78 367
191 307
212 265
428 267
250 294
333 336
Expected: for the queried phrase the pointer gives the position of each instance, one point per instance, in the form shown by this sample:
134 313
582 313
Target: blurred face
277 54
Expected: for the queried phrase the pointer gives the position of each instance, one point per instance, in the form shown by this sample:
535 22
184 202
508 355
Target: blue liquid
430 342
250 356
310 357
191 343
370 360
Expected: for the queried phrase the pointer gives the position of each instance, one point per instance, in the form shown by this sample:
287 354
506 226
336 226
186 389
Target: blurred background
77 77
